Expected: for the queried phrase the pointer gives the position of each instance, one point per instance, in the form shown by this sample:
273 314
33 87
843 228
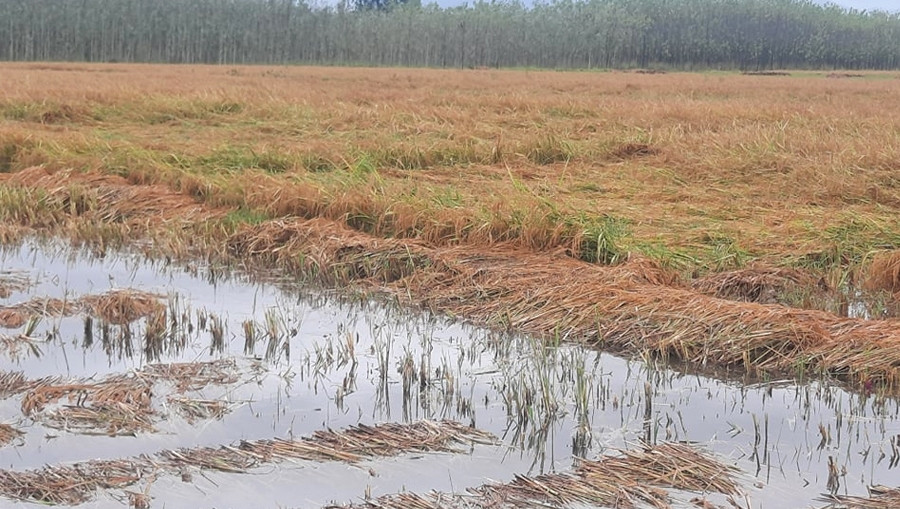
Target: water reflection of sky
510 386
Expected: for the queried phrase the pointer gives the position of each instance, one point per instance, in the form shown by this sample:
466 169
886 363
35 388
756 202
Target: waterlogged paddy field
285 361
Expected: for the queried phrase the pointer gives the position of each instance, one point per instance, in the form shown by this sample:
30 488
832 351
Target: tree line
674 34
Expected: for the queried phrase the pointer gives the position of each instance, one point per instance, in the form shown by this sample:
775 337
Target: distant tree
380 5
675 34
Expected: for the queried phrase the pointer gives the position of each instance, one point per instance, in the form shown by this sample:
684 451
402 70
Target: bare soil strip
635 478
632 307
76 483
880 497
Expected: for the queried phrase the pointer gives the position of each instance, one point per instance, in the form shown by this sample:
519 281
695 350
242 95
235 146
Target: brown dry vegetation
880 497
117 307
637 478
482 194
77 483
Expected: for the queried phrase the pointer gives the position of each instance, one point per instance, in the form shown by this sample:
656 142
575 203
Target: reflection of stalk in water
217 335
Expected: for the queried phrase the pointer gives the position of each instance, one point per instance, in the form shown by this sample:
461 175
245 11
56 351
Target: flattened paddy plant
309 287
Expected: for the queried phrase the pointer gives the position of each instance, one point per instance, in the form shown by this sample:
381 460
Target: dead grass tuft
192 376
884 273
75 484
329 251
633 150
352 445
618 307
194 410
635 479
14 382
121 307
118 307
71 485
112 199
12 318
880 497
12 282
765 285
118 406
8 434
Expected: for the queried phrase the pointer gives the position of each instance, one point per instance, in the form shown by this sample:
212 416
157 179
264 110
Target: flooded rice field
155 366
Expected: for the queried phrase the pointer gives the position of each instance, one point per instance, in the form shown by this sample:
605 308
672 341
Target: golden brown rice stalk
765 285
637 478
121 307
884 273
110 198
198 409
192 376
880 497
118 405
75 484
72 484
351 445
12 282
8 434
14 382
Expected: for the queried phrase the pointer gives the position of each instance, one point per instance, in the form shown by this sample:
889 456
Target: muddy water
323 361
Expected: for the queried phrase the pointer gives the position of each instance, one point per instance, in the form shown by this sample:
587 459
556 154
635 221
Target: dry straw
620 307
75 484
117 307
884 273
880 497
765 285
120 404
635 479
8 433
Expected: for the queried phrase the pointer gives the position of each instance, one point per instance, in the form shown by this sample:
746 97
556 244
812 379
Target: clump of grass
241 158
549 149
8 152
602 239
884 272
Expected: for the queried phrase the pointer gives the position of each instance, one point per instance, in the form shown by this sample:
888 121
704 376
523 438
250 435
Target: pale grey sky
884 5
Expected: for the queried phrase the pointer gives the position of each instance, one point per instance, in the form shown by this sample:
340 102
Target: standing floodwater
223 359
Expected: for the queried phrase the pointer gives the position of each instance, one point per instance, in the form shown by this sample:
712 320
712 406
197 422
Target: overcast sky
884 5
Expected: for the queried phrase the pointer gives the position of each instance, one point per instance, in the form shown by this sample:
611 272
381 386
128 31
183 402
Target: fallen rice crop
880 497
634 479
75 484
